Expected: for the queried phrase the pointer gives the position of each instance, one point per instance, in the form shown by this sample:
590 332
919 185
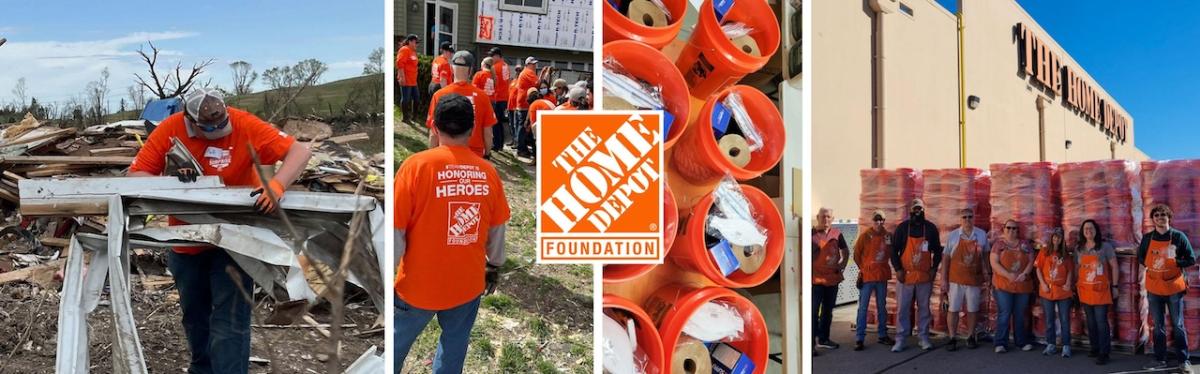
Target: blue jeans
1011 306
516 124
1175 304
408 93
879 289
501 110
456 325
824 297
1099 336
1064 319
216 316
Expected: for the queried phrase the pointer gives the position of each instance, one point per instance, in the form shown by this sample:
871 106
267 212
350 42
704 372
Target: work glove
265 205
858 283
187 175
491 279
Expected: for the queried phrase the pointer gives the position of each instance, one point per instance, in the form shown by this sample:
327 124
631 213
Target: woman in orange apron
1056 280
830 254
916 253
1096 282
1012 262
872 250
1166 252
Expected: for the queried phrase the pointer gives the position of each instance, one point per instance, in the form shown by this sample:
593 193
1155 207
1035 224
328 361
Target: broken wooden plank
58 169
41 275
131 144
111 151
75 160
64 207
13 176
55 242
350 138
9 196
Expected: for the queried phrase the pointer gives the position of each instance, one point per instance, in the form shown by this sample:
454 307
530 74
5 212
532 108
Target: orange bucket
618 26
710 61
704 162
673 305
651 66
647 334
622 272
692 254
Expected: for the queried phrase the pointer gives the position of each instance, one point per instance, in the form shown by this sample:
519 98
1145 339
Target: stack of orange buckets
695 76
946 193
1027 193
1177 184
889 190
1101 191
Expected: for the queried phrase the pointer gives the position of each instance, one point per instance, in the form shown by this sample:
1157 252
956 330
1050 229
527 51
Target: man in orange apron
830 254
1166 252
916 253
872 250
962 276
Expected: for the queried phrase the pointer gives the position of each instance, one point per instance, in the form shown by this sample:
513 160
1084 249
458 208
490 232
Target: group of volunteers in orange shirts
514 99
1059 275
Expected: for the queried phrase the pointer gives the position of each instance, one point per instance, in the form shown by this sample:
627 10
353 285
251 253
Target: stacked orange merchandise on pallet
889 190
945 193
1026 192
1177 184
1103 191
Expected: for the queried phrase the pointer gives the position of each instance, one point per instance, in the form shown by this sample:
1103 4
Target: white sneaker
1049 350
1001 349
926 345
1066 353
1027 347
899 346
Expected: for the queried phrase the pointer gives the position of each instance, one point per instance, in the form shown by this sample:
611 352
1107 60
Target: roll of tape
747 44
646 13
749 263
691 356
735 148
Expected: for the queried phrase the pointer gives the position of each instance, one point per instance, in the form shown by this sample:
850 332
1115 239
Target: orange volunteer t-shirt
226 157
537 106
527 80
447 198
566 106
483 80
485 117
503 77
406 62
443 74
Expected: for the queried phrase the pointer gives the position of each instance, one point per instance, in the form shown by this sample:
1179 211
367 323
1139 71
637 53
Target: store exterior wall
921 103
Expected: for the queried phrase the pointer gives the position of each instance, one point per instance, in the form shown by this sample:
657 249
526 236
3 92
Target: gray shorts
959 292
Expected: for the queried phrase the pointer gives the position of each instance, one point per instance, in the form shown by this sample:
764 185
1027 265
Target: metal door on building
441 25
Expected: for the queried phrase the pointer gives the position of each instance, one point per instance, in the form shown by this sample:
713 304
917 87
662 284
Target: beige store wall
921 82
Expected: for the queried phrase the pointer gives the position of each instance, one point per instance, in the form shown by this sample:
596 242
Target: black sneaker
1156 364
952 345
1092 354
887 340
1102 360
972 343
858 345
827 344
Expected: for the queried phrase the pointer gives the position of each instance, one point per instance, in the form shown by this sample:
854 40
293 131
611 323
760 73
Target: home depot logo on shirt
600 187
462 226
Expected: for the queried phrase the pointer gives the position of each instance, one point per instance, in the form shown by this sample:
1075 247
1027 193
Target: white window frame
432 40
544 9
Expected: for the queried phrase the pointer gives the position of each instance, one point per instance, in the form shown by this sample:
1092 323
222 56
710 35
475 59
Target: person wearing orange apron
962 275
872 250
1166 252
1012 264
1056 274
830 254
916 253
1096 282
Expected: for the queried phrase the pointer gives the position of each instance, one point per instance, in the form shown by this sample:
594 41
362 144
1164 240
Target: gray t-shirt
1107 252
979 236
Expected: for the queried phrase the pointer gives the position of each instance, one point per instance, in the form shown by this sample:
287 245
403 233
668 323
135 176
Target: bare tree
97 97
137 96
243 77
174 82
20 92
304 74
374 63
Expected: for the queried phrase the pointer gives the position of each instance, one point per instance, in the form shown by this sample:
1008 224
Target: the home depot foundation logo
600 187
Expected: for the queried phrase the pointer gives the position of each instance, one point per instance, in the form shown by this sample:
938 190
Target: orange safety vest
1013 260
1092 281
917 261
1054 270
877 250
966 263
1163 276
825 268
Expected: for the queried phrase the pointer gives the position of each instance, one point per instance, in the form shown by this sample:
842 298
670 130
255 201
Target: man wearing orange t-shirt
216 317
484 118
406 75
450 216
441 75
536 104
526 80
502 77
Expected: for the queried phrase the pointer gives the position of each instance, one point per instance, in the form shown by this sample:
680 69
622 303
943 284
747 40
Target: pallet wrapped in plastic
1130 307
947 191
1106 191
1177 184
1027 193
890 190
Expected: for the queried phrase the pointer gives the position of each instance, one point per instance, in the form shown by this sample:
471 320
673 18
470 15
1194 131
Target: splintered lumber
74 160
9 196
55 242
57 169
131 144
111 151
11 175
42 275
350 138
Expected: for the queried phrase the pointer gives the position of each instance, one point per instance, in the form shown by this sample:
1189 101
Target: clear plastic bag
716 321
732 218
620 84
620 352
734 30
665 10
733 101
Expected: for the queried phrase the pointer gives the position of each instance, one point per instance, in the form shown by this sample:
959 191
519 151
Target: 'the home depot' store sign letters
1044 66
